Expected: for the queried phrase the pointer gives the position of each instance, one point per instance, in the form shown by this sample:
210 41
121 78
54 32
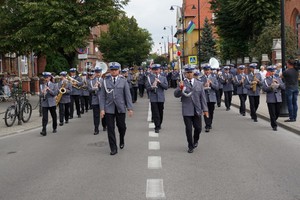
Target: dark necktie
191 83
114 80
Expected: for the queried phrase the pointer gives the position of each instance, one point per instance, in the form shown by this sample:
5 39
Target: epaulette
108 76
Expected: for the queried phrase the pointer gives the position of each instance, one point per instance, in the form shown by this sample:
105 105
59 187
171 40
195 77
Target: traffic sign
193 60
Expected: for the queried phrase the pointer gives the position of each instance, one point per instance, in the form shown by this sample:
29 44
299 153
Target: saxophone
254 83
62 91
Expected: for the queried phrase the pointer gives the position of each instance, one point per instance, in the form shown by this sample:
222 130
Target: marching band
110 91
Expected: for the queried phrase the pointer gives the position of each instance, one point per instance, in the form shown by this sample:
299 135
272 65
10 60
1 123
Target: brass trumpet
74 82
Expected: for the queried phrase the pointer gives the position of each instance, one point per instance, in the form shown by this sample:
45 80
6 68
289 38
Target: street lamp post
166 47
170 27
199 35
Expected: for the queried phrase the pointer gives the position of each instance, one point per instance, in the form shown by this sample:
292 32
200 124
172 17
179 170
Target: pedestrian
211 88
115 99
291 80
191 92
76 92
239 82
49 92
156 85
141 82
65 89
273 85
263 72
227 80
253 84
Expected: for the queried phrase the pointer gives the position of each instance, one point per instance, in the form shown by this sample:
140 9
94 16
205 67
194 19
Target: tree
125 42
207 42
44 26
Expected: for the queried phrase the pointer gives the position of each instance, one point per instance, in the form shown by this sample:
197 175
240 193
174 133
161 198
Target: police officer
156 85
191 92
211 86
64 104
84 93
76 93
49 92
273 85
242 91
253 84
141 82
226 79
115 98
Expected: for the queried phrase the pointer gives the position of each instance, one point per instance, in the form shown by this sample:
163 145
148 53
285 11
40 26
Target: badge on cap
114 65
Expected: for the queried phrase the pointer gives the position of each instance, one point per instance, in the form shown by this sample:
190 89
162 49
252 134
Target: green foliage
239 22
125 42
56 63
52 25
163 61
207 42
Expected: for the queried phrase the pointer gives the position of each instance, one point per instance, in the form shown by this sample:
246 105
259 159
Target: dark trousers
211 109
75 99
243 98
173 83
64 112
120 121
254 103
45 117
141 90
219 94
157 109
84 103
190 122
96 118
133 92
274 111
228 98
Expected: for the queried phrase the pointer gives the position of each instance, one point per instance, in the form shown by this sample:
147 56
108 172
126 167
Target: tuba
62 91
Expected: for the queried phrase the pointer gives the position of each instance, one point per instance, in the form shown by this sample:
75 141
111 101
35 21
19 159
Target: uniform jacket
95 91
49 99
273 95
194 103
156 94
210 93
226 80
84 88
249 79
141 78
66 96
115 96
76 91
241 89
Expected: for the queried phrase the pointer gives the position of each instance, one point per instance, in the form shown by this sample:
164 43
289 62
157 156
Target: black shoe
122 146
227 109
289 120
275 128
104 128
54 131
67 122
82 112
219 105
255 120
43 133
206 130
79 116
114 152
190 150
71 117
96 132
243 114
195 145
61 123
156 131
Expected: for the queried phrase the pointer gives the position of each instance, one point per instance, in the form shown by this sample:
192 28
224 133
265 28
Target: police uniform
75 94
115 99
254 95
141 82
49 92
226 79
242 91
84 100
273 85
193 105
64 103
156 86
211 86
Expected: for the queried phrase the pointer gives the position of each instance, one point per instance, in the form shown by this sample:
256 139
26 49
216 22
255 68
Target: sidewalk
263 113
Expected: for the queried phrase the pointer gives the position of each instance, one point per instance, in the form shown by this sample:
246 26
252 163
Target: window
24 65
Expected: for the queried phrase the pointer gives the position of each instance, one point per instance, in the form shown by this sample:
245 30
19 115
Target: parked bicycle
21 109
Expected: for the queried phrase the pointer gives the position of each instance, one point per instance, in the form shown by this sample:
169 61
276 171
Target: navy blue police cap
63 73
46 74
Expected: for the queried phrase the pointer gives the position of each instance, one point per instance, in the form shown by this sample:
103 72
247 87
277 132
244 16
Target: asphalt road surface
237 160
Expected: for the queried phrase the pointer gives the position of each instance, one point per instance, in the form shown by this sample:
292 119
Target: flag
191 27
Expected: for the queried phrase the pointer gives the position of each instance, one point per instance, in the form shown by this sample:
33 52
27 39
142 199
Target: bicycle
21 109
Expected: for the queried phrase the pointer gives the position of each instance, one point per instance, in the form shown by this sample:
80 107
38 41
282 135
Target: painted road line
149 118
153 134
154 162
155 189
154 145
151 125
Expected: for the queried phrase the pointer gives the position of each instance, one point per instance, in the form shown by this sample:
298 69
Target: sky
154 15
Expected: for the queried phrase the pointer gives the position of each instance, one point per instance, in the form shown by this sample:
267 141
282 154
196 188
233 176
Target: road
237 160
